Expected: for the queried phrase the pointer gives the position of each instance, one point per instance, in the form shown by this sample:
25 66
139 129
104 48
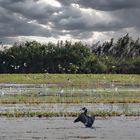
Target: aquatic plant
97 113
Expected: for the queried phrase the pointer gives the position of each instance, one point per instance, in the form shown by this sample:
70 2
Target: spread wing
81 118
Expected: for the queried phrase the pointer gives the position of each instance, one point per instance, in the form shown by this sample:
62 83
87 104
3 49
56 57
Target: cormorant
85 119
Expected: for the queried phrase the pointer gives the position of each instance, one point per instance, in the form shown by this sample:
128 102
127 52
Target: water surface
115 128
62 107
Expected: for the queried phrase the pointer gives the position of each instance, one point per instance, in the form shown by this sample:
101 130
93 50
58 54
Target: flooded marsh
44 106
37 94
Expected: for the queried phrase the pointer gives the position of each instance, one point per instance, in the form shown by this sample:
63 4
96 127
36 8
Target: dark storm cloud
105 5
35 18
128 18
72 18
122 14
22 18
12 25
29 9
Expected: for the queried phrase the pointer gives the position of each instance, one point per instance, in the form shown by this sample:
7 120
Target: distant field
69 79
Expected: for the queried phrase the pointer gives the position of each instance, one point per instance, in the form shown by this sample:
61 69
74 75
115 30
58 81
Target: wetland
43 106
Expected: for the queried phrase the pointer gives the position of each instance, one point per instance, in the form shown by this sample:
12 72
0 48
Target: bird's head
84 109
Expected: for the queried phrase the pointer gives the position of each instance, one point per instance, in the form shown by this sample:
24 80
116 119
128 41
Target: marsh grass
74 79
69 82
97 113
33 98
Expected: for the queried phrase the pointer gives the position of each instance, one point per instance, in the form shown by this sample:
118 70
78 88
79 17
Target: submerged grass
65 114
97 97
68 100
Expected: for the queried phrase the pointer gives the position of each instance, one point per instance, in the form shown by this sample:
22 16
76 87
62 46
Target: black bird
85 119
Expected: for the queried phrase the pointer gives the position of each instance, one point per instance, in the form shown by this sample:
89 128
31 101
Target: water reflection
24 88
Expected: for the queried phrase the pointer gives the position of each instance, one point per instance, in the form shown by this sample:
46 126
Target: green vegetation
65 57
70 79
65 114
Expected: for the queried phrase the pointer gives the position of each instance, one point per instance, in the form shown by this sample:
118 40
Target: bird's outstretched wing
80 118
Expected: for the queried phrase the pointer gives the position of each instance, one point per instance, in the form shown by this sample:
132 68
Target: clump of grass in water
76 100
37 114
65 114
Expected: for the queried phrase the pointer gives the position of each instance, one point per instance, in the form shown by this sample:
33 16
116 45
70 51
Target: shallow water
62 107
59 107
115 128
105 87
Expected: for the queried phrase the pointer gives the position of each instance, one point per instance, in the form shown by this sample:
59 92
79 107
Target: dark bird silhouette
85 119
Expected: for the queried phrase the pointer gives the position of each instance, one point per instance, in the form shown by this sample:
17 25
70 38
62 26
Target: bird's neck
85 112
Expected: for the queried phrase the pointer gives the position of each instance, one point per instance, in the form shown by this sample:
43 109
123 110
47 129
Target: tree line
122 56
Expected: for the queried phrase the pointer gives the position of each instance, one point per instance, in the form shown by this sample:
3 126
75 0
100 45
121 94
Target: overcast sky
51 20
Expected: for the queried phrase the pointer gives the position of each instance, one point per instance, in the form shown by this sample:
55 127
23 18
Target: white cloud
50 2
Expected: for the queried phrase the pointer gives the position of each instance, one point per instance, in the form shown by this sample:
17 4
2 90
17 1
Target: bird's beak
81 109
